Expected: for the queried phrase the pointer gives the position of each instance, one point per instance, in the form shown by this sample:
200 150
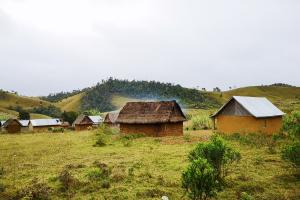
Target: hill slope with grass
286 98
10 102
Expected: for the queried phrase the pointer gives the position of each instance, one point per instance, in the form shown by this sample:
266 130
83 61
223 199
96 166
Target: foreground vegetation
72 165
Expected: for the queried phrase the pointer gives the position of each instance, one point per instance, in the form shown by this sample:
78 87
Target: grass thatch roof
111 117
151 113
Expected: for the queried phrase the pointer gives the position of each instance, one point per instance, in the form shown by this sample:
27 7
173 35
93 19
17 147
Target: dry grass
71 103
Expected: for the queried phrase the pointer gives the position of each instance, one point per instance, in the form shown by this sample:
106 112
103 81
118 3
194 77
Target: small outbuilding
15 126
157 119
84 122
39 125
243 114
111 118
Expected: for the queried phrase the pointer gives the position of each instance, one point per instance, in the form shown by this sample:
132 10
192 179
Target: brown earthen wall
248 124
154 130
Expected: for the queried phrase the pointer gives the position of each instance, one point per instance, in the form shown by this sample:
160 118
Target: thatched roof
22 123
82 120
111 117
151 113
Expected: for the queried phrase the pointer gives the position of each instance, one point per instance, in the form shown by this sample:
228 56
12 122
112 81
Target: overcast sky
54 45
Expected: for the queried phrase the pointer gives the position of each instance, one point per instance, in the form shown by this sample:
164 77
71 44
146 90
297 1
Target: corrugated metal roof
259 106
24 122
96 119
256 106
45 122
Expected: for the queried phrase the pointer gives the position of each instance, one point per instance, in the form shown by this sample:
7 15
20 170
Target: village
165 118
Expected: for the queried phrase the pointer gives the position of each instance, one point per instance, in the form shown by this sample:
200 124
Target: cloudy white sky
54 45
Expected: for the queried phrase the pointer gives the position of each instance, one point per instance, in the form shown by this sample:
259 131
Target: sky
48 46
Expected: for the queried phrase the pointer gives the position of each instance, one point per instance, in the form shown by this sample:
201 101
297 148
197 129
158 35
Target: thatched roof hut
83 122
15 125
152 118
111 118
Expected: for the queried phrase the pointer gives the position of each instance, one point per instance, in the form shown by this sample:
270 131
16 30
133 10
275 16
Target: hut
83 122
111 118
39 125
164 118
1 126
15 126
243 114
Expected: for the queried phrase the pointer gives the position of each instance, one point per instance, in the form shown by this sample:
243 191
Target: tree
199 180
24 115
69 116
218 153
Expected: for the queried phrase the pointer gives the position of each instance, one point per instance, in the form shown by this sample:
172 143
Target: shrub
218 153
292 153
35 191
105 184
67 181
199 180
101 140
291 124
1 171
2 187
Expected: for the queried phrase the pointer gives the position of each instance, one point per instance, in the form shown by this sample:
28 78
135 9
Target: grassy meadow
139 168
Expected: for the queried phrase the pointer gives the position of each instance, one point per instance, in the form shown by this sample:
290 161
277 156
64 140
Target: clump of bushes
67 181
36 190
291 152
102 134
206 172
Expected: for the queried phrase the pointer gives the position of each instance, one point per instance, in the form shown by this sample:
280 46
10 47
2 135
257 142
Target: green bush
291 124
292 153
218 153
199 180
245 196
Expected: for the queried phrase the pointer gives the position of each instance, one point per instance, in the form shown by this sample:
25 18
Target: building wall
248 124
82 127
42 128
154 130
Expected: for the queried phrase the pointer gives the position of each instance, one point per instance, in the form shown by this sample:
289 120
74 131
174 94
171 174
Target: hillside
286 98
113 94
9 102
71 103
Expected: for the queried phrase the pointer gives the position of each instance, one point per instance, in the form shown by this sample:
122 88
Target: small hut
16 126
39 125
83 122
111 118
248 115
164 118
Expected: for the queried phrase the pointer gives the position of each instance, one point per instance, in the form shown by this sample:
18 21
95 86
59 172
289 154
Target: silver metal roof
2 122
45 122
96 119
257 106
24 122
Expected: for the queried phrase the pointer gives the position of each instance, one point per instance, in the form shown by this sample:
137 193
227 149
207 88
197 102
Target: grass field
143 168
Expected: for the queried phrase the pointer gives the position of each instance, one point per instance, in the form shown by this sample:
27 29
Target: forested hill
100 96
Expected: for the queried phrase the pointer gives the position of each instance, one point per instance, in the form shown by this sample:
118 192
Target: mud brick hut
39 125
248 115
15 126
157 119
84 122
111 118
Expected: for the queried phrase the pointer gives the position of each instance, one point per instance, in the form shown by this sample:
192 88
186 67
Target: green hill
112 94
9 102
